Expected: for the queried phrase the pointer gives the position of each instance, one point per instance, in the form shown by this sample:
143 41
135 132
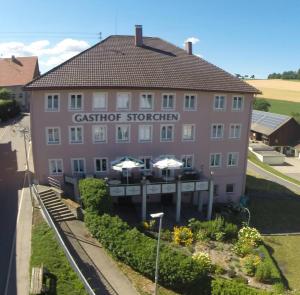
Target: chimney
189 47
138 35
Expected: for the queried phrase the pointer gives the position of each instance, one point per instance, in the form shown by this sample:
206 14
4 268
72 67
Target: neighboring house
280 131
15 72
142 97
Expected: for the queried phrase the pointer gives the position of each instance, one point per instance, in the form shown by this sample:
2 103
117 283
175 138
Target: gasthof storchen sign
133 117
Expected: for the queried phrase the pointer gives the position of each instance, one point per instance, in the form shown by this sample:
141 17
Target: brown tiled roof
18 70
117 63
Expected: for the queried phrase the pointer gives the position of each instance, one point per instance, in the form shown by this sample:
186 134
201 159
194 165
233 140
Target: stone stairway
57 209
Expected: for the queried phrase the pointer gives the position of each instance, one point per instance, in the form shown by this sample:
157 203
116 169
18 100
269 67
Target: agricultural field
278 89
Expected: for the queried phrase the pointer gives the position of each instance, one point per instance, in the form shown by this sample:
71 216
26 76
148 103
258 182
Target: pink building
143 97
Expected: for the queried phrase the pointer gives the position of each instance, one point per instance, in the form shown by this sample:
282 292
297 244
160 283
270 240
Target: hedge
176 270
221 286
8 109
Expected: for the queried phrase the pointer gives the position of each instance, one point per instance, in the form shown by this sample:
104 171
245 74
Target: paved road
266 175
12 164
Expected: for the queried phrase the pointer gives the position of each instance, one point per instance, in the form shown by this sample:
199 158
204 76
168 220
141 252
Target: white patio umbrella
126 163
167 163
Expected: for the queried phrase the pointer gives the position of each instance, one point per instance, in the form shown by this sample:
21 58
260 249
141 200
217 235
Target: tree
252 77
261 105
5 94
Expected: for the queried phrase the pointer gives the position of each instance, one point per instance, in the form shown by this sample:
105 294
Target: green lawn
267 167
46 251
275 209
283 107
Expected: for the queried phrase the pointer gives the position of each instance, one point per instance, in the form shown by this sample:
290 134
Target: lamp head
157 215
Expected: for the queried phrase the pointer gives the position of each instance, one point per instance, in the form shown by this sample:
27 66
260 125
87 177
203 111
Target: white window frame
129 133
129 101
47 136
46 102
105 101
242 103
232 136
76 108
160 135
214 166
56 173
189 109
140 100
214 102
168 99
151 133
237 159
93 128
194 132
82 134
72 165
185 156
146 157
212 131
101 159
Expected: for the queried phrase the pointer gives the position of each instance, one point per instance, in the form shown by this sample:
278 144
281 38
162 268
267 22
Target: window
123 101
235 130
123 133
168 101
56 166
217 131
190 103
229 188
78 165
216 190
215 160
100 101
237 103
188 132
52 103
101 165
76 134
146 101
166 132
147 163
232 159
187 161
219 103
145 133
75 102
53 135
20 95
99 134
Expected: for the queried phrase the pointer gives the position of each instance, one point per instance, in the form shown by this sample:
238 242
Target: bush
8 109
243 248
176 270
217 229
230 287
203 260
183 236
5 94
263 272
249 235
94 195
250 264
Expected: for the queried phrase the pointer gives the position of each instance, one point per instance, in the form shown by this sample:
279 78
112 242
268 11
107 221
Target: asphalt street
266 175
12 172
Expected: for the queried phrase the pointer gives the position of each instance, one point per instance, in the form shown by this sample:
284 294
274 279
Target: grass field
46 251
275 210
283 107
278 89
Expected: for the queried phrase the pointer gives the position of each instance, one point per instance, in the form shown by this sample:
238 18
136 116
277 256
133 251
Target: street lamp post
155 216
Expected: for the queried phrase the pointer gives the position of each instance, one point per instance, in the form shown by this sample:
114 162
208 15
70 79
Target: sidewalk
95 261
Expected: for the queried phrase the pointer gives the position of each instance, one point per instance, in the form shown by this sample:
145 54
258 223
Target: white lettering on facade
125 117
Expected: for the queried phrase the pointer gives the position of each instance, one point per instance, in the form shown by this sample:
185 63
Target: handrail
63 245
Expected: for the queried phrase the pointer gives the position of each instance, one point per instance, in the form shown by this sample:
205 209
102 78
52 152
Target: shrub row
221 286
8 109
217 229
176 270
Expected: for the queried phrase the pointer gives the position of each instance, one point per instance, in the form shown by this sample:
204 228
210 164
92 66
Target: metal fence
62 244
